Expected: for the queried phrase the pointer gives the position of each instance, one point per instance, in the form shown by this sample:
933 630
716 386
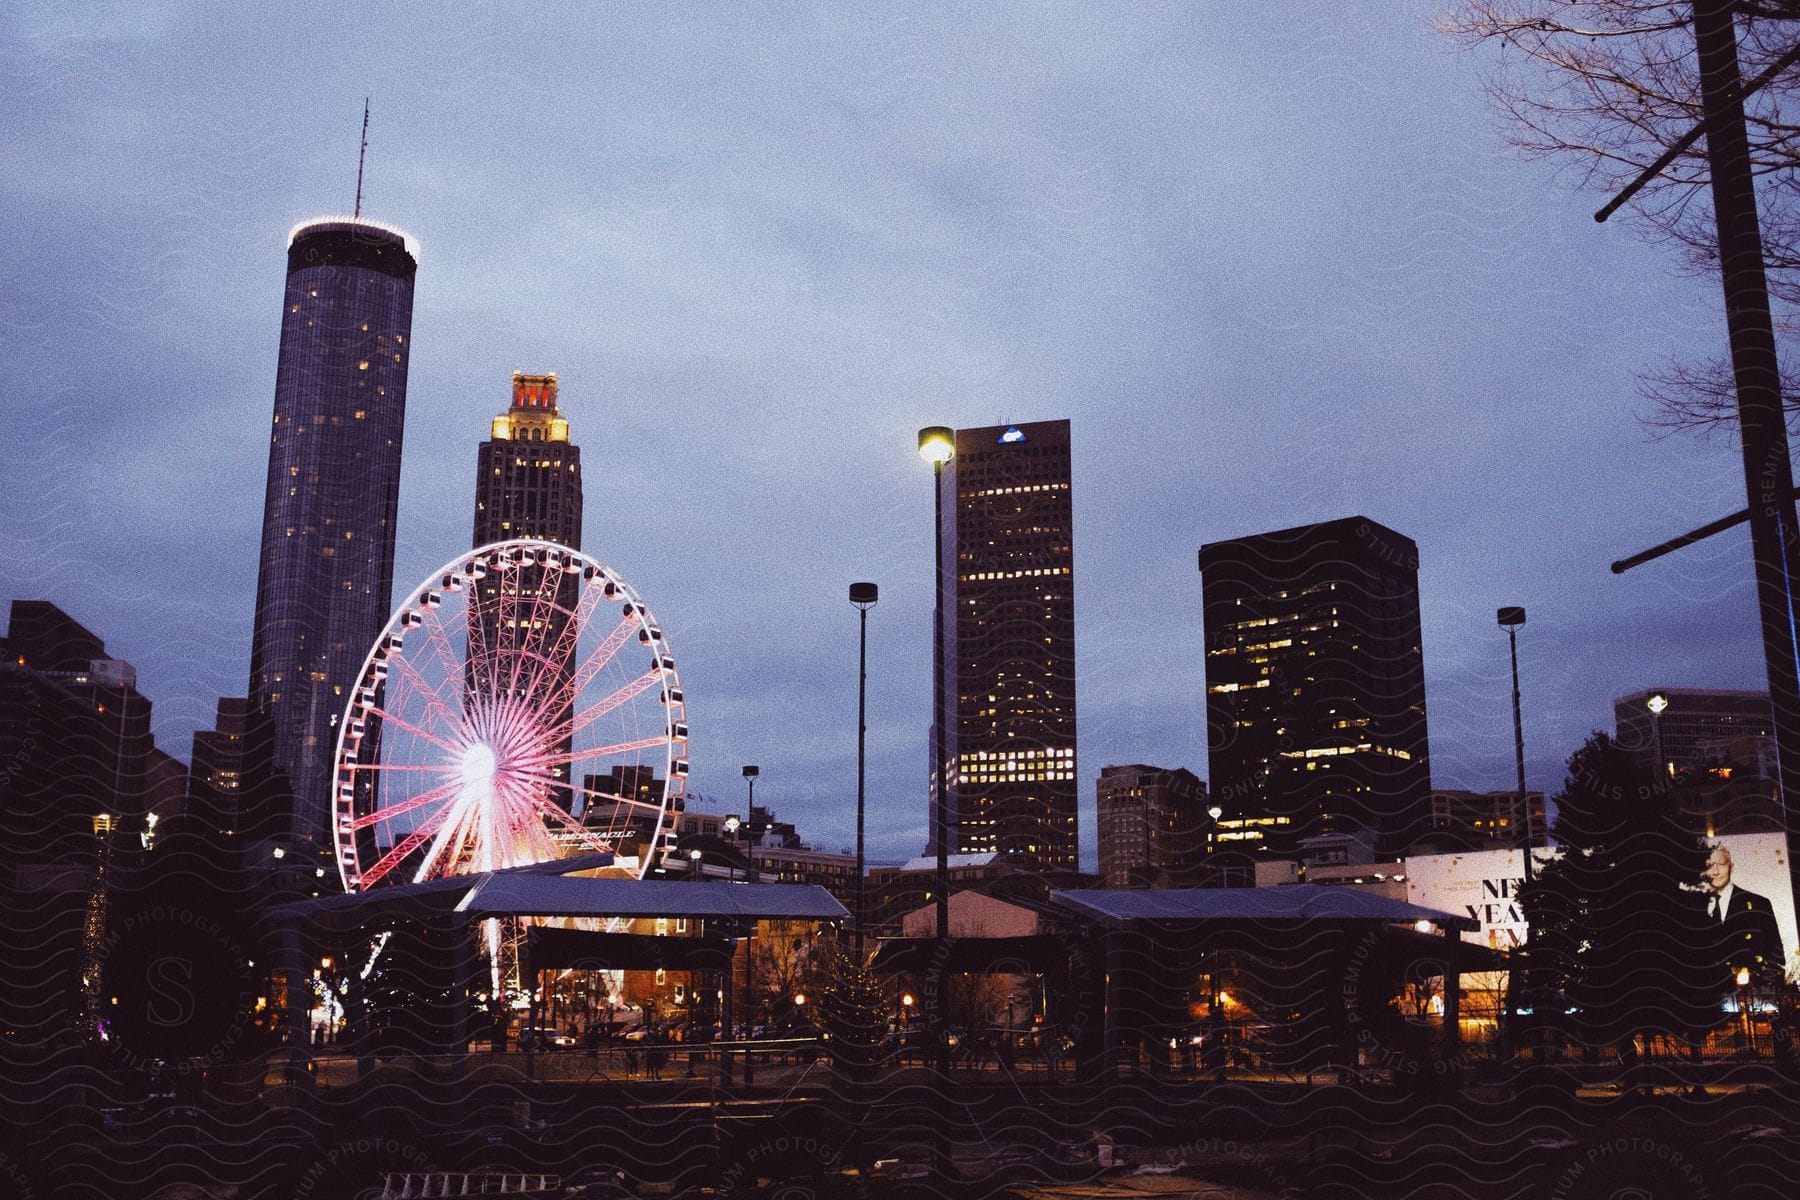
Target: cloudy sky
1274 265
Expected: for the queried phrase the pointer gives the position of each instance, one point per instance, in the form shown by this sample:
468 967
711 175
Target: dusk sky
1274 265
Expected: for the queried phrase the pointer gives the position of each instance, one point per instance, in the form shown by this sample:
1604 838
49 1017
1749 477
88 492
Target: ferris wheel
521 706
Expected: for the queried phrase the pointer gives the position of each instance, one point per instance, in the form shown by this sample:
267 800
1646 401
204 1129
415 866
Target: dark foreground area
401 1132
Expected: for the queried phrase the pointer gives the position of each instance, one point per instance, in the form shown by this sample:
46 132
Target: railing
418 1185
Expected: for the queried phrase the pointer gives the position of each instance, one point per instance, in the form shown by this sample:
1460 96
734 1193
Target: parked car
544 1037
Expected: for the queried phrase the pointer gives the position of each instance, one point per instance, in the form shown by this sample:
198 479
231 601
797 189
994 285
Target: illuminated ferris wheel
521 706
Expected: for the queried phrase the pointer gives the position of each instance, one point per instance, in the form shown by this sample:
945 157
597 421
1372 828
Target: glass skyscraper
1009 660
325 581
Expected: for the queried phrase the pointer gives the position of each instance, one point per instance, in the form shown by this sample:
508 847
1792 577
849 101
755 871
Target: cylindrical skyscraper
324 585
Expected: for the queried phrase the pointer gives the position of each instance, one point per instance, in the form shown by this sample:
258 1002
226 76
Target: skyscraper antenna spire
360 155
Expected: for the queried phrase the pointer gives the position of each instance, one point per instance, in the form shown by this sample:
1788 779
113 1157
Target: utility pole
1762 428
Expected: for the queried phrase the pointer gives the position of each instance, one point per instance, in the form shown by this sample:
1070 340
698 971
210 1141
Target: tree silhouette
1616 922
1608 86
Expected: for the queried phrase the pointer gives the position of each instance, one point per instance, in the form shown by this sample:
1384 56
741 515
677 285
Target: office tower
622 806
527 485
1315 683
1009 656
1153 826
324 584
76 772
1714 748
1488 820
1697 726
216 772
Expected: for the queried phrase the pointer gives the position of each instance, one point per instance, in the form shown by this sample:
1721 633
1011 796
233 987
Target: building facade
1153 826
1697 727
76 781
324 583
1485 820
1315 682
527 485
1713 748
1009 658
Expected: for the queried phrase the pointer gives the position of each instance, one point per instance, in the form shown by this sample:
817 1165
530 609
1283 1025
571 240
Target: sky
1273 265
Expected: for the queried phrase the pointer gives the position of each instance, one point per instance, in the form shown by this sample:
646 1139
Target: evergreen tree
852 1010
1616 923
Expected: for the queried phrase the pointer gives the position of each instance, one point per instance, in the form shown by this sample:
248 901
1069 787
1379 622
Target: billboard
1483 884
1749 869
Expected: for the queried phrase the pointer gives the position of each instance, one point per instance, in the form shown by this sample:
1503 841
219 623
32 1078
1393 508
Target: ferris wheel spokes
476 713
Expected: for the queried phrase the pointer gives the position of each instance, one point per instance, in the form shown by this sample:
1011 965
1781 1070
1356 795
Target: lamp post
863 596
1510 619
751 771
937 446
730 828
1656 704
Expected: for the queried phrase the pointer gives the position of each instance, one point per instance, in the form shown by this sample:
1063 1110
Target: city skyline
1466 339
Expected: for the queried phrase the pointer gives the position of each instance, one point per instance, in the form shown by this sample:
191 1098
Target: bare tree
1609 86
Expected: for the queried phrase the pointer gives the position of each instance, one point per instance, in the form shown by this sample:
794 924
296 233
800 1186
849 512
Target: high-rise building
324 585
622 806
1009 657
1315 683
1696 727
77 770
216 772
1153 826
1488 820
528 481
1714 748
527 485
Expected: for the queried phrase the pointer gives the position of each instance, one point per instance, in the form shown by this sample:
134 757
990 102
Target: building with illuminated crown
325 578
1009 657
1315 683
528 485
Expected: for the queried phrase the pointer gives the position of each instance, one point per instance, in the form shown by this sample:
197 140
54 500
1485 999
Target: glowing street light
937 446
1656 704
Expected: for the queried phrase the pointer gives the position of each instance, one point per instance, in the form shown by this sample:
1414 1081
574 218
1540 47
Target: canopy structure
517 894
555 889
1309 902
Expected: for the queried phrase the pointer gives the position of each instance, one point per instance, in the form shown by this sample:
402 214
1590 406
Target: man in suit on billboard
1748 935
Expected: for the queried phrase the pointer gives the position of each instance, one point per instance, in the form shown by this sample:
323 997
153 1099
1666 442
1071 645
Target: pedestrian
657 1057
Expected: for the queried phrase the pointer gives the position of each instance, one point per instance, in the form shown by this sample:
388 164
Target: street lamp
1510 619
751 771
937 446
1656 704
730 828
863 596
